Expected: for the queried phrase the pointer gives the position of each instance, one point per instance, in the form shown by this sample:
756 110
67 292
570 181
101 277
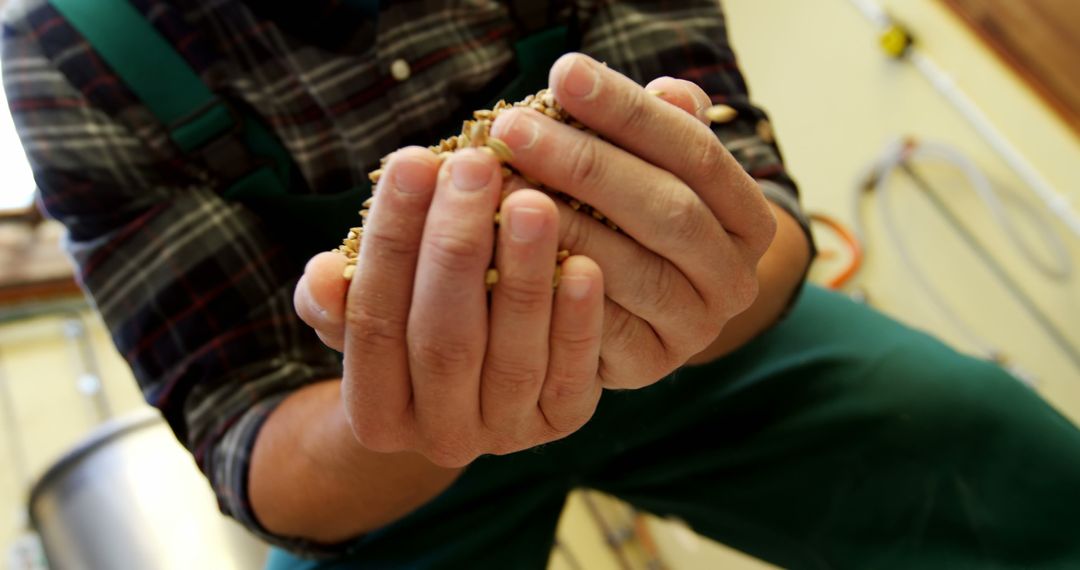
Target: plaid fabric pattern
195 289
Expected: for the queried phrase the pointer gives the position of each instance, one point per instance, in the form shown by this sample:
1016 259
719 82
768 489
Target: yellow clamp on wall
895 40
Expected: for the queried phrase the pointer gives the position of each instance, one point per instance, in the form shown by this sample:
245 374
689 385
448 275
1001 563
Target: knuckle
523 296
564 423
452 252
574 344
577 232
767 228
391 246
745 290
685 218
740 291
620 329
585 165
569 389
712 160
656 283
372 331
444 356
511 375
634 113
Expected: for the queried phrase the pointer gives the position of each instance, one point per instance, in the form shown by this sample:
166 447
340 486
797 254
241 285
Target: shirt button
400 69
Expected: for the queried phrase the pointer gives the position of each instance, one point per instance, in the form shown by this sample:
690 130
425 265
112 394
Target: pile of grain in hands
476 133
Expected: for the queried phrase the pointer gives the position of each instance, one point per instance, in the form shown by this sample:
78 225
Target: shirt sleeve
195 291
645 39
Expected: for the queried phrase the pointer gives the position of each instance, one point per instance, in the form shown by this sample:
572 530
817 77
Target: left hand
696 224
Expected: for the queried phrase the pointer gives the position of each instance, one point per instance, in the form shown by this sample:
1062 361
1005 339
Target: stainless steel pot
131 497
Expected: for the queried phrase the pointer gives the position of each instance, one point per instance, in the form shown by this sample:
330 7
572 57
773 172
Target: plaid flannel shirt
196 291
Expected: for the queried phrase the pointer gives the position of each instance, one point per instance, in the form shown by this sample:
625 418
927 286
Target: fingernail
577 288
312 303
412 176
519 131
526 224
581 79
471 174
700 104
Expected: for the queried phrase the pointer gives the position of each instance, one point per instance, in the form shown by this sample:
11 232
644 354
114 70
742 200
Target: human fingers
649 204
647 286
572 388
376 388
622 112
684 94
517 353
319 298
448 324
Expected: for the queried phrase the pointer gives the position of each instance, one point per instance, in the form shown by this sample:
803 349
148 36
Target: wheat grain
721 113
476 133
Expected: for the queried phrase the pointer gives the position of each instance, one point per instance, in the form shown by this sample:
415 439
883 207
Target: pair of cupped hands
435 364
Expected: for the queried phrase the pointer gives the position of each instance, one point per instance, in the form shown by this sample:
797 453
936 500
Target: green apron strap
203 124
198 121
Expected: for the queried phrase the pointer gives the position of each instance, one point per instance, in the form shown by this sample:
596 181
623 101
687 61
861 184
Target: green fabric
174 93
279 177
839 439
535 55
154 71
178 98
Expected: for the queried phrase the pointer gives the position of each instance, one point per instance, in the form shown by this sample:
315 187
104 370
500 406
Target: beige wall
835 100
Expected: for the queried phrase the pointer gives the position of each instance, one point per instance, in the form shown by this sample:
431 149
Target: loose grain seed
721 114
349 271
477 133
502 150
656 92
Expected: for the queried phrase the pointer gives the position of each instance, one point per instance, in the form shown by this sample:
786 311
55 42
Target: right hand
429 366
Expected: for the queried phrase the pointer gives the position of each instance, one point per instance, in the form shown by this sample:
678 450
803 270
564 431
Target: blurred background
944 175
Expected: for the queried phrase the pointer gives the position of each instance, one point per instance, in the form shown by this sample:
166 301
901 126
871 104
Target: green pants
839 439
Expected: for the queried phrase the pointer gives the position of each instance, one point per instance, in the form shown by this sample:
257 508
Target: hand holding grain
431 366
694 223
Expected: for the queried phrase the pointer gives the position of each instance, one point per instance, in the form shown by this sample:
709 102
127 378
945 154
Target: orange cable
852 245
